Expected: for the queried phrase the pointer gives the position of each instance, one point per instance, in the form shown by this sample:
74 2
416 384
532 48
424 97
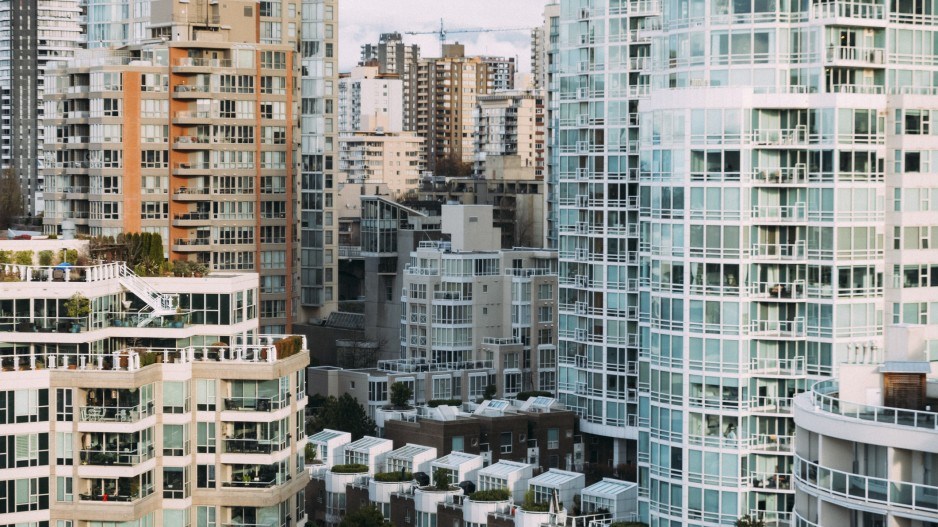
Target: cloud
362 21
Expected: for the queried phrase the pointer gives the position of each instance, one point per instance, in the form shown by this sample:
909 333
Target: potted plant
77 307
179 318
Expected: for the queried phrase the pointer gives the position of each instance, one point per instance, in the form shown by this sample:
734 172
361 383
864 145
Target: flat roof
554 477
897 366
609 488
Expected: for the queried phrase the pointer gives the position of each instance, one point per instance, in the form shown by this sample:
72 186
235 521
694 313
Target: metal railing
824 396
867 489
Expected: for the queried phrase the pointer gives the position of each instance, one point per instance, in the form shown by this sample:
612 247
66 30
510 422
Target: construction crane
442 32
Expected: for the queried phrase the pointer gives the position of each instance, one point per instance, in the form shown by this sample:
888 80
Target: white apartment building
723 175
370 102
145 401
466 300
866 443
394 159
510 125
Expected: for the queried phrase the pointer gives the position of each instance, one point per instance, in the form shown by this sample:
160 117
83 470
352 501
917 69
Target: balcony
857 490
125 457
778 290
855 56
115 490
794 328
255 477
824 396
256 404
192 169
772 214
255 445
191 142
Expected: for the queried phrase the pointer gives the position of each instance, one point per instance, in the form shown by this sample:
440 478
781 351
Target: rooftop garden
352 468
394 477
490 495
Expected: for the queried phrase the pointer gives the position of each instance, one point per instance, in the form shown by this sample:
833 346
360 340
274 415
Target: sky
361 21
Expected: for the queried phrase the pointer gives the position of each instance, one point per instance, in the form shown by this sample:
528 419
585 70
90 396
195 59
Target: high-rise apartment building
545 67
370 101
192 138
440 96
866 442
723 174
36 33
510 126
145 401
110 24
396 160
392 56
500 73
465 299
318 254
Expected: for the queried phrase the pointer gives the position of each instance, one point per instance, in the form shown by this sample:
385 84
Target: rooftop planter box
393 477
490 495
350 469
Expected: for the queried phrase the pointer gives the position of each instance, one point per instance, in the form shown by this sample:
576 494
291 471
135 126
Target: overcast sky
361 21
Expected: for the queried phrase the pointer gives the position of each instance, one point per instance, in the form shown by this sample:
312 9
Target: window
545 314
63 489
64 409
205 479
63 448
506 443
205 442
459 444
175 397
206 394
175 440
553 438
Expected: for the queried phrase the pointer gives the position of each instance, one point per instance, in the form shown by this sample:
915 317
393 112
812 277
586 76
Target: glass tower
722 175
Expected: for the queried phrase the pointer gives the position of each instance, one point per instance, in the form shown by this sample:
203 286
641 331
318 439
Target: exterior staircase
161 305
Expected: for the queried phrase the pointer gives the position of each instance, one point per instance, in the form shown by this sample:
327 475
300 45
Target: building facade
158 402
466 300
510 124
500 73
440 96
370 102
219 194
392 56
394 159
318 258
28 49
721 227
865 441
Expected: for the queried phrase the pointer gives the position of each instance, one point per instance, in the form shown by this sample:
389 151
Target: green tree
367 516
441 479
344 414
401 395
11 198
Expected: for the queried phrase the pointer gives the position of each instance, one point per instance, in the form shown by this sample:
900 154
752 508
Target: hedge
490 495
393 477
353 468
